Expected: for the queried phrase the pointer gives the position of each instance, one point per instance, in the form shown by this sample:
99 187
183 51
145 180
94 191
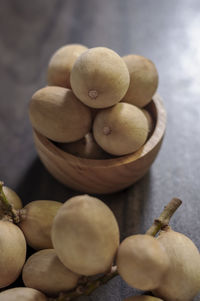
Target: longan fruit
61 63
85 148
142 262
22 294
85 235
99 77
143 80
56 113
121 129
12 252
45 272
36 220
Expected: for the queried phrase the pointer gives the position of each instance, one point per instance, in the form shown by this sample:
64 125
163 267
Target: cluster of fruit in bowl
94 105
76 244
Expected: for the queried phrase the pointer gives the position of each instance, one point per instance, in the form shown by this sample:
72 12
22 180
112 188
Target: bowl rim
150 144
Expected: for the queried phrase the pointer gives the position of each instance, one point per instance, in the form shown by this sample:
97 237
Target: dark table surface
168 33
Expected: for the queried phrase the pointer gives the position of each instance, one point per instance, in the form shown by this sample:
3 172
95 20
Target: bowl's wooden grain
109 175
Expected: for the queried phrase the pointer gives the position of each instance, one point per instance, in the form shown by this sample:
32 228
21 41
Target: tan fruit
56 113
149 120
22 294
36 222
12 197
142 262
99 77
12 253
143 298
85 148
143 80
61 64
120 130
182 281
45 272
85 235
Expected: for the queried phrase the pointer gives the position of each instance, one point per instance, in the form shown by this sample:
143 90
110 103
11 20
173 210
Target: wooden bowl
109 175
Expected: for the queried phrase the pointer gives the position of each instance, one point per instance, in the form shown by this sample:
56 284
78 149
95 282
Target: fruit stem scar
107 130
93 94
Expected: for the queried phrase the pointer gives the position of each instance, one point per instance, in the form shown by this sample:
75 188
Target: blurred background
167 32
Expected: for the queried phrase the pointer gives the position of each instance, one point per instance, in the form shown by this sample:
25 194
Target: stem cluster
88 286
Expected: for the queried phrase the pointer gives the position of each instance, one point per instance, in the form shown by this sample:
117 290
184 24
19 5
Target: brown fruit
85 148
99 77
85 235
61 64
36 222
182 281
22 294
12 253
149 121
56 113
143 80
121 129
45 272
142 262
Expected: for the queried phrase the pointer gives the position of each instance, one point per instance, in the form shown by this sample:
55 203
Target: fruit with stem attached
36 220
182 281
12 197
142 262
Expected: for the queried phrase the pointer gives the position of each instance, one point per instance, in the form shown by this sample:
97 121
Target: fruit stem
164 217
88 288
7 207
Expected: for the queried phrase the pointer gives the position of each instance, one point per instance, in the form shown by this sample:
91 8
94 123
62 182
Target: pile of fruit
94 105
76 245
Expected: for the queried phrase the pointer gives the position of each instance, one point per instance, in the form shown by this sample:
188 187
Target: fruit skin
142 262
182 282
143 80
143 298
22 294
149 120
85 235
121 129
12 253
45 272
36 222
85 148
56 113
12 197
61 63
99 77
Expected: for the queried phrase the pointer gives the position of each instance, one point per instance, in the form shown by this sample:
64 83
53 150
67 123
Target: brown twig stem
7 207
165 217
